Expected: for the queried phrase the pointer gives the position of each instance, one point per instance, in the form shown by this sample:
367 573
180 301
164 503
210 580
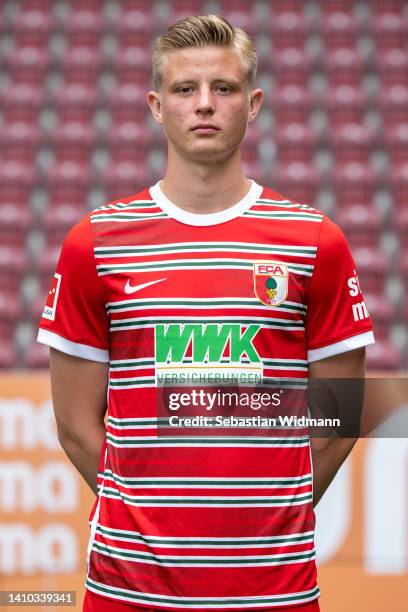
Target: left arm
328 454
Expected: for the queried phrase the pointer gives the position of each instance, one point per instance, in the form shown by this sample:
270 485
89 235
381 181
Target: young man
207 272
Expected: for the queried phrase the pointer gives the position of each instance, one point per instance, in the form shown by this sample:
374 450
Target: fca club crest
271 282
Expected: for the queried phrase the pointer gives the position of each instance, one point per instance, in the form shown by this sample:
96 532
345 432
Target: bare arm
79 389
328 454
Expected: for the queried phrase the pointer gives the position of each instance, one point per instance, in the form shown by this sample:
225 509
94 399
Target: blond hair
198 31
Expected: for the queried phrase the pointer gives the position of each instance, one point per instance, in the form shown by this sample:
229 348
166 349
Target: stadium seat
354 182
10 306
21 102
372 266
290 103
291 66
351 142
81 64
84 26
295 142
393 103
345 104
382 356
396 143
127 139
8 353
73 140
288 29
127 102
17 178
361 224
393 67
33 26
343 66
13 264
15 220
135 27
75 102
297 181
132 64
19 140
382 313
390 30
124 178
398 177
338 29
36 355
28 64
68 181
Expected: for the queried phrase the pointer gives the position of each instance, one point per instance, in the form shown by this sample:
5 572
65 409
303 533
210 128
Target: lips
205 128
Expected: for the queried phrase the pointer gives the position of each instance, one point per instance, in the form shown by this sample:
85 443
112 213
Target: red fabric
95 603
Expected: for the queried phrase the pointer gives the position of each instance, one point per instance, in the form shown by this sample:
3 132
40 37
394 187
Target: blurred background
76 132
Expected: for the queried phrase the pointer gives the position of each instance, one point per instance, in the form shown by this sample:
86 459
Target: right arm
79 394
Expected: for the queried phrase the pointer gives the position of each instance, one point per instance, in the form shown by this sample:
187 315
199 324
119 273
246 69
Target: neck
204 188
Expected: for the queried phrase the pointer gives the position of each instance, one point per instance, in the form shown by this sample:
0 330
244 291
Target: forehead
209 62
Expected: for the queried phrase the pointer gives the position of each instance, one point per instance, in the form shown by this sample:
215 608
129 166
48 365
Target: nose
205 101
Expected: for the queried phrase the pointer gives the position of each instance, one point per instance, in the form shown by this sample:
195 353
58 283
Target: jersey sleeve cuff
84 351
343 346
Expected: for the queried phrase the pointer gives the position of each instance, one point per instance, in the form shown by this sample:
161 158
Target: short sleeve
337 319
74 318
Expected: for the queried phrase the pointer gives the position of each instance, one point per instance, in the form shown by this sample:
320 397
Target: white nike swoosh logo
130 289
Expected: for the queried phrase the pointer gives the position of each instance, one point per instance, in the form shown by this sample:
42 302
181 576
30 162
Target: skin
204 175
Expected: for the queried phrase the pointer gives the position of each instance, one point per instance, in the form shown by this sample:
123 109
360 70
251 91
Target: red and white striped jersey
260 289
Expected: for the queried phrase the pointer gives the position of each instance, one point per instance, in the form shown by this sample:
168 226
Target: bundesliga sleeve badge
271 282
52 298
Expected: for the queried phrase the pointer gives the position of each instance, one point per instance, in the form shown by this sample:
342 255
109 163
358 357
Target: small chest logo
271 282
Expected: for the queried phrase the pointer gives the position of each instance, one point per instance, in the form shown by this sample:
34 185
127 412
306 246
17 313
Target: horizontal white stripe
201 602
163 561
75 349
348 344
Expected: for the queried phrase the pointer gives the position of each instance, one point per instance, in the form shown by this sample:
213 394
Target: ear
255 101
154 102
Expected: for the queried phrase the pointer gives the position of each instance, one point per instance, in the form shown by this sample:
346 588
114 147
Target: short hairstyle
201 30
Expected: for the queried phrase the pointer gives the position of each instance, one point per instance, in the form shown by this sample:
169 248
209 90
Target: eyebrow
229 81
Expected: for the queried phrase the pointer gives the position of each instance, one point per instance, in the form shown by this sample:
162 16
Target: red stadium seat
398 177
291 66
73 140
351 142
59 219
393 67
10 305
133 64
396 142
13 264
21 102
343 66
382 356
297 180
36 355
345 104
390 30
17 178
393 103
68 181
19 140
8 353
33 26
288 29
81 64
339 28
124 178
290 103
29 64
382 313
128 102
361 223
135 27
75 102
372 266
128 139
84 26
15 219
354 182
295 142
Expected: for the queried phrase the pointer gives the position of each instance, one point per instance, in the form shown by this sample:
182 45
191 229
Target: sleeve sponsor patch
52 299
